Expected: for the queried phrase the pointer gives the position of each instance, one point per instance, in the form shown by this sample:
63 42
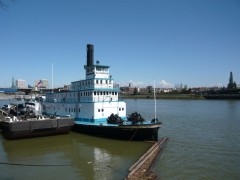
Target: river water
204 144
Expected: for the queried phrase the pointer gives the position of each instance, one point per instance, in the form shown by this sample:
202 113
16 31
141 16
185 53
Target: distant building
21 84
149 88
13 83
127 89
43 83
66 87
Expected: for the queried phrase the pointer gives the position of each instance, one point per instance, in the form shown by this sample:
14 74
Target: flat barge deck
12 128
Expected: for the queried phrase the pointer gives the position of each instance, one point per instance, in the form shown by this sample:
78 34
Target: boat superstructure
96 108
91 100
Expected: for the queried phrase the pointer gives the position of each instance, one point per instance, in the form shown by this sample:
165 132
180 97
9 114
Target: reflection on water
80 157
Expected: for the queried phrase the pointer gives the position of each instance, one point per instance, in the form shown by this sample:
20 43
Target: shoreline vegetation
162 96
125 96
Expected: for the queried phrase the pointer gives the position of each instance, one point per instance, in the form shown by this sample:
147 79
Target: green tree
135 91
231 84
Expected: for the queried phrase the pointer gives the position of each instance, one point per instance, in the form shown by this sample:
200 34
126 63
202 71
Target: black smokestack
90 53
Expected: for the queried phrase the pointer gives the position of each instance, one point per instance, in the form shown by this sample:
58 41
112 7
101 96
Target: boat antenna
52 76
154 93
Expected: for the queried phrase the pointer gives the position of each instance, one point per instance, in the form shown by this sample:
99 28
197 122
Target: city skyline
43 83
196 43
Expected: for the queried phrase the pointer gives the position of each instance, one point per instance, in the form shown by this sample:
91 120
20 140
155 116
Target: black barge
12 128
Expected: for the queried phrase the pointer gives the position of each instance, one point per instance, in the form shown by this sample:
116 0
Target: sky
171 42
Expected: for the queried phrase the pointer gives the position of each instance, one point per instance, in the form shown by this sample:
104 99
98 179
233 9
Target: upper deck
98 85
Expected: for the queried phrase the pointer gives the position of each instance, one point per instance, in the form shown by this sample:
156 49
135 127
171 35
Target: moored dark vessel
127 131
35 128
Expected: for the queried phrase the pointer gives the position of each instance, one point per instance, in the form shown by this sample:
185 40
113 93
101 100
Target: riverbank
122 96
163 96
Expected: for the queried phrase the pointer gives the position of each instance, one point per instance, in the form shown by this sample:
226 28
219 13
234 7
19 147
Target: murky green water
204 144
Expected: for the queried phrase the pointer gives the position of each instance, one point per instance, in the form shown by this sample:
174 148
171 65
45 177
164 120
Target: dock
142 169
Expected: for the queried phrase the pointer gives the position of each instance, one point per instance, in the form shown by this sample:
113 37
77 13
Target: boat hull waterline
36 128
126 132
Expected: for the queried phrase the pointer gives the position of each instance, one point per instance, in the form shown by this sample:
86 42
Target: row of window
70 109
102 110
86 93
87 82
78 109
97 69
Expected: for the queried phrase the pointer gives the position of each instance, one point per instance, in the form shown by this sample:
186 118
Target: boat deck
126 123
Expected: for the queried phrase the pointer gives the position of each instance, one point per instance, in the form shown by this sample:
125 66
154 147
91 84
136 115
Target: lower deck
86 112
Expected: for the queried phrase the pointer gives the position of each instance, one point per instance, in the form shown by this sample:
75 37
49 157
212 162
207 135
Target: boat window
104 92
101 81
115 93
101 93
107 92
97 81
122 109
119 109
98 110
106 81
94 93
102 110
97 93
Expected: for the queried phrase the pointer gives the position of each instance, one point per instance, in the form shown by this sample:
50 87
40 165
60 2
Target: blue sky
193 42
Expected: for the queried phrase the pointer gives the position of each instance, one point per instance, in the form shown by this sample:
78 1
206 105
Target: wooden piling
142 169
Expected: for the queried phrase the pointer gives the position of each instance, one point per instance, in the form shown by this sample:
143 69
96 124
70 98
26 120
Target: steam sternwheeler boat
93 101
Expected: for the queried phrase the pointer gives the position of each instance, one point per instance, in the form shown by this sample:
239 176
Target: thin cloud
140 84
165 84
133 84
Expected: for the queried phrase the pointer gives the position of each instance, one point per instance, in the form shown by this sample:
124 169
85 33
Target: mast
154 93
52 76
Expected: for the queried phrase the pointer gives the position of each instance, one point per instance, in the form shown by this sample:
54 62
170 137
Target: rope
129 141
